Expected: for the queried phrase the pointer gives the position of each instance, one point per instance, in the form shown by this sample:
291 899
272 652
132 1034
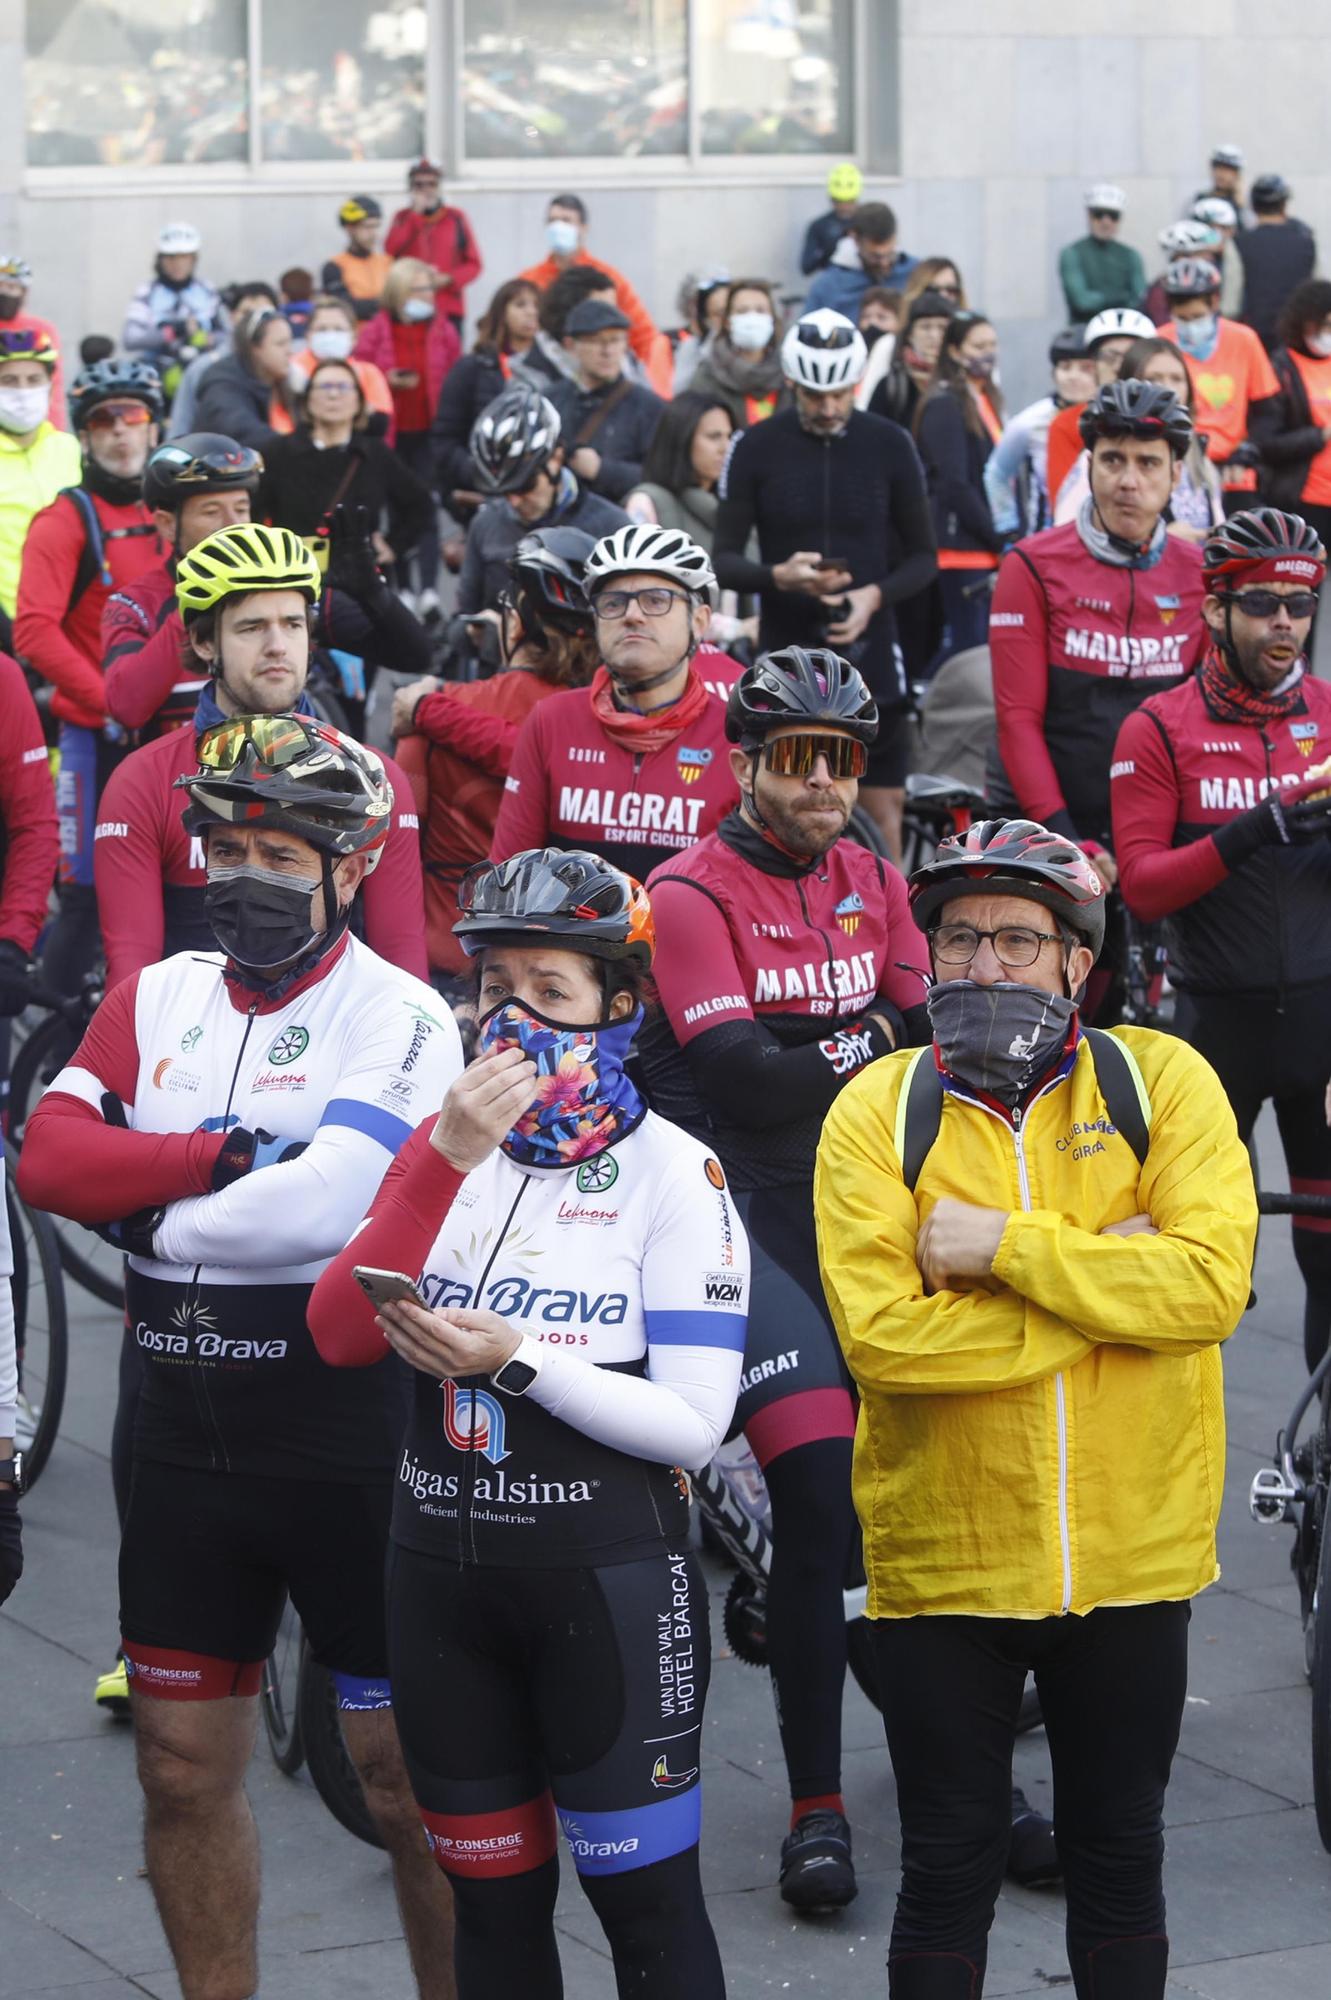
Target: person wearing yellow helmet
15 280
36 459
845 186
358 272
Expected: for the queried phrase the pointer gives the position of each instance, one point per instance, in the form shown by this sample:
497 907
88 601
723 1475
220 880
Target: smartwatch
11 1469
516 1375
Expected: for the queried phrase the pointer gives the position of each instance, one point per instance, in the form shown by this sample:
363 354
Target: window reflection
775 75
344 80
550 79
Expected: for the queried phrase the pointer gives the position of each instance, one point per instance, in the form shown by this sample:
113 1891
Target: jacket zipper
1060 1394
470 1495
201 1392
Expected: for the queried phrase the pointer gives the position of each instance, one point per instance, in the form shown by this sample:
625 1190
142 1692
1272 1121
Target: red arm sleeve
414 1197
467 268
50 561
1019 650
127 868
73 1163
140 666
487 741
402 230
905 947
395 893
27 812
524 810
1154 877
411 755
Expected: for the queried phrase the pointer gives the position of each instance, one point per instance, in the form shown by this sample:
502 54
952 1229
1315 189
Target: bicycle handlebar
1294 1204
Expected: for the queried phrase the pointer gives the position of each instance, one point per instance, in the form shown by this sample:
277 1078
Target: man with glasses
1033 1239
634 766
1097 272
93 538
1220 831
607 421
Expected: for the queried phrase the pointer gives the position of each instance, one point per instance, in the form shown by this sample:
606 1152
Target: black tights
815 1538
654 1920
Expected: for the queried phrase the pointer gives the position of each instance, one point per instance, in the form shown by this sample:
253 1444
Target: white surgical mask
21 410
417 309
1319 343
562 237
751 329
332 343
1196 336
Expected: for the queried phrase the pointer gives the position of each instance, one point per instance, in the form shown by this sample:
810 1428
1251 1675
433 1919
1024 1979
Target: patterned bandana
585 1101
1229 699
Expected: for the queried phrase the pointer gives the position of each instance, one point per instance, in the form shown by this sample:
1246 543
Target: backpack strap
919 1113
92 563
1123 1089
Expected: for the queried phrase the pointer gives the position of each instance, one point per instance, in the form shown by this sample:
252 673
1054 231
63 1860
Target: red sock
824 1802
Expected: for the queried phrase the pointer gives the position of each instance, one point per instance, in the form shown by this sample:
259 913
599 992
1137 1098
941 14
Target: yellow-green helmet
845 183
242 558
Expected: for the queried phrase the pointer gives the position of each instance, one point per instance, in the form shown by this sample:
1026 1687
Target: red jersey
29 841
150 873
153 680
57 627
1076 644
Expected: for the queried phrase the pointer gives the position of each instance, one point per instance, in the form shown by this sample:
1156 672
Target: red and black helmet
1262 545
295 773
569 896
1015 857
800 684
1136 409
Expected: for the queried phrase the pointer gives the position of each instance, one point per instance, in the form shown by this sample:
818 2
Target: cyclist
1033 1242
11 1462
1107 337
93 538
193 486
1181 239
439 236
15 279
177 316
229 1115
29 842
1232 377
780 973
1088 619
1016 473
1215 832
836 498
36 459
549 1627
358 272
246 596
634 765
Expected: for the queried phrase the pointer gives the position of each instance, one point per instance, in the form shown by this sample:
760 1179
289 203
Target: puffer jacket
1054 1441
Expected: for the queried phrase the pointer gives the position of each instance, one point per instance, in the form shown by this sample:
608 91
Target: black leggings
1111 1688
1261 1050
815 1539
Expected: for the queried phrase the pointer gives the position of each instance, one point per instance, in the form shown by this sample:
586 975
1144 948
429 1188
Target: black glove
132 1234
244 1152
352 563
11 1543
15 978
1276 822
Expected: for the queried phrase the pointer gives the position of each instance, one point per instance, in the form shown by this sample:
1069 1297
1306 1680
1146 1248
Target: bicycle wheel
1321 1649
863 830
41 1328
326 1754
279 1697
88 1261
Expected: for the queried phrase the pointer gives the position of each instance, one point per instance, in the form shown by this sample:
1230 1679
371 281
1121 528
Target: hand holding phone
386 1288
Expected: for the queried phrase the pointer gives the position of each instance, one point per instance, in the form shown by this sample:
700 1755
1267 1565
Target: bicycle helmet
800 684
200 462
1069 345
1217 210
550 892
179 239
1190 278
1269 193
845 182
1188 239
359 208
1136 409
653 551
1117 323
1262 545
1227 156
293 772
1104 194
547 568
512 439
15 267
108 381
25 343
242 558
823 351
1014 857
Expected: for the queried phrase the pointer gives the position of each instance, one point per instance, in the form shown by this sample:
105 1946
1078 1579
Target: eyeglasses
277 740
654 603
796 755
107 415
1266 603
957 944
337 387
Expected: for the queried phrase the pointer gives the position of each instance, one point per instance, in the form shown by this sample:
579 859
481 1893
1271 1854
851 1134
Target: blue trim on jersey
385 1127
354 1691
670 1326
610 1843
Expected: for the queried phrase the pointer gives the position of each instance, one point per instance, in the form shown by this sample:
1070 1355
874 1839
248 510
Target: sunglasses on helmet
277 740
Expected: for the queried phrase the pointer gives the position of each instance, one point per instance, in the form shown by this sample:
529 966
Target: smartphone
386 1288
832 562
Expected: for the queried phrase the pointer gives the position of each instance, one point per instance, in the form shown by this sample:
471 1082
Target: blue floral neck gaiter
586 1101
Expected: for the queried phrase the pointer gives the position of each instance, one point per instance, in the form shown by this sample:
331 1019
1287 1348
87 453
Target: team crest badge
848 913
1305 737
1168 607
692 763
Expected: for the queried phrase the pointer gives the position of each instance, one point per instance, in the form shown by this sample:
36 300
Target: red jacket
150 872
152 683
29 840
442 349
443 239
61 639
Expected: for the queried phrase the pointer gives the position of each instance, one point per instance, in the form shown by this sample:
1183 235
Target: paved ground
1249 1884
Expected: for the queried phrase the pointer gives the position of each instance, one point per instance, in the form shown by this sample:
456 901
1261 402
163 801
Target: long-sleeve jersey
631 1271
1178 776
346 1063
1076 644
29 836
58 624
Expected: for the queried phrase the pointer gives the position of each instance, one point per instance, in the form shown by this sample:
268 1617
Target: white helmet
1116 323
1227 156
1213 208
824 350
1105 195
1188 239
178 239
657 551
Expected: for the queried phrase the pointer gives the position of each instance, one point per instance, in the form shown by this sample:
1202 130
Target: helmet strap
1117 542
652 680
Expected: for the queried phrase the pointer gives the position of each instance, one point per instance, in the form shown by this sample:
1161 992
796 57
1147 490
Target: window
342 80
554 79
774 76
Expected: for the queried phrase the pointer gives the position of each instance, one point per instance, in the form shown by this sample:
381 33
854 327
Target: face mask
980 367
1320 343
562 237
1000 1039
418 309
21 410
9 305
751 329
260 919
332 344
586 1101
1195 336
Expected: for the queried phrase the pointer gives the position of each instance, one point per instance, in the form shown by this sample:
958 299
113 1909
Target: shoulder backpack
92 563
920 1105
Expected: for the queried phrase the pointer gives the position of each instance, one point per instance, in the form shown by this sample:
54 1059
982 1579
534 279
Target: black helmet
201 462
1137 410
1190 278
552 892
1257 536
1014 857
1069 345
1269 193
800 684
512 438
548 582
292 772
107 380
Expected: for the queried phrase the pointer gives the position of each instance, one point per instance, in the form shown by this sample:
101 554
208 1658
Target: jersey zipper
1272 788
1060 1389
467 1505
826 937
202 1397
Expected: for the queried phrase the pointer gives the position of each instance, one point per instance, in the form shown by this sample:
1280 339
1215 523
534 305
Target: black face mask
261 919
9 305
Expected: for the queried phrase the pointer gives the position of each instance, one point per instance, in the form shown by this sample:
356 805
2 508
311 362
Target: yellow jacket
1054 1439
29 481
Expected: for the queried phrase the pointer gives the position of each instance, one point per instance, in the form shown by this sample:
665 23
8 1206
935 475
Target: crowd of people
475 781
